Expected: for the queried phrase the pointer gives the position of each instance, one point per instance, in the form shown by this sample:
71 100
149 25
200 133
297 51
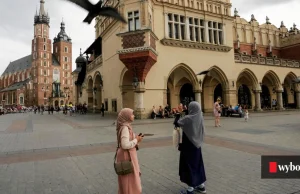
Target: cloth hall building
155 58
42 77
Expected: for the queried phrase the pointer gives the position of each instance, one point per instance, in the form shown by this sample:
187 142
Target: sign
56 75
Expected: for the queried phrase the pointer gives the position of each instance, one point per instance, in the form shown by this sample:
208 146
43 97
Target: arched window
45 63
45 80
66 49
66 81
45 95
66 66
44 47
45 72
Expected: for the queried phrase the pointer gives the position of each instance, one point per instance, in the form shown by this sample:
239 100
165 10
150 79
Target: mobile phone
141 135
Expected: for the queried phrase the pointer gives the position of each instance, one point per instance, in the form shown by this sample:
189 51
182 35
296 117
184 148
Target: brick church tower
62 50
51 72
41 57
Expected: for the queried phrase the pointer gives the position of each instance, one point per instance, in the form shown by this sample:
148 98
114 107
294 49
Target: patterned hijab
124 119
193 124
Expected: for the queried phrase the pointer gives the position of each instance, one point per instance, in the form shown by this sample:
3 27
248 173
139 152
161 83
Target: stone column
279 100
94 102
198 97
257 101
298 99
139 101
230 97
166 25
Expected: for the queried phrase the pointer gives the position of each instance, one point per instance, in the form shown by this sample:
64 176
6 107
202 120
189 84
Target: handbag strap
119 146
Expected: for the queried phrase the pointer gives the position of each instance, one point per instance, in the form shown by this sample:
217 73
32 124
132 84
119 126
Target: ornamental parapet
195 45
95 64
260 60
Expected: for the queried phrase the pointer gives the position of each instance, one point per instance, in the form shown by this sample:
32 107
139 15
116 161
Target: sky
16 22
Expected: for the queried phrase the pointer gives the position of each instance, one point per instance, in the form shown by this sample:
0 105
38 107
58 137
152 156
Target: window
45 72
66 49
66 81
66 66
44 47
45 55
114 105
45 63
197 29
56 49
21 100
215 32
66 59
44 39
133 21
45 95
176 26
45 80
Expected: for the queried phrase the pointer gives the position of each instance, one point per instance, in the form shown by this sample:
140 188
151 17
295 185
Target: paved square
63 154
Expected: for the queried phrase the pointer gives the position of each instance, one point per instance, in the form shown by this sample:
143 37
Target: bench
234 113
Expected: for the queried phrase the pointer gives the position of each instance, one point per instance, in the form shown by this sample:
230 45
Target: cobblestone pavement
62 154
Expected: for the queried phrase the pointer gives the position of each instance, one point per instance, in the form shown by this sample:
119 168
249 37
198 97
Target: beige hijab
124 119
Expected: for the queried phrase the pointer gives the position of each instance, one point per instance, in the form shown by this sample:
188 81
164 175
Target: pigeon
97 9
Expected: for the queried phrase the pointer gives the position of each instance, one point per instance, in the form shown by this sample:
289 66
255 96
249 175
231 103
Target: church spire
42 17
42 8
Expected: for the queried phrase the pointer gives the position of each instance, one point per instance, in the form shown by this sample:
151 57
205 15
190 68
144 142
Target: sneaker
200 190
186 192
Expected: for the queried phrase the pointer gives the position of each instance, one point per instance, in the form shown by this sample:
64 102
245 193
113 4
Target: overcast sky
16 22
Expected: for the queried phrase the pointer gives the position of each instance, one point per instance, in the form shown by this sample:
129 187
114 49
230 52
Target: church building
155 58
44 76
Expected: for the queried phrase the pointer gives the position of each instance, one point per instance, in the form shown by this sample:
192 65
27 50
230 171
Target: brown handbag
123 167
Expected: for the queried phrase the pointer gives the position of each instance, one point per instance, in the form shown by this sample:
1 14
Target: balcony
260 60
94 64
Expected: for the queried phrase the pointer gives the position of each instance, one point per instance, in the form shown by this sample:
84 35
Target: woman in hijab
130 183
191 166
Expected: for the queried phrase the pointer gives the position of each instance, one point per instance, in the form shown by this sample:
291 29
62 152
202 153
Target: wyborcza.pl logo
280 167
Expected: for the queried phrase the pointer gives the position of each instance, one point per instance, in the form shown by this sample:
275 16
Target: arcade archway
180 86
187 94
127 90
244 97
246 83
289 94
98 90
90 93
215 84
270 84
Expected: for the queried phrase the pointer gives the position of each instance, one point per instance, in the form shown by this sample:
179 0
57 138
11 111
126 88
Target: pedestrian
191 166
217 112
102 109
129 183
246 115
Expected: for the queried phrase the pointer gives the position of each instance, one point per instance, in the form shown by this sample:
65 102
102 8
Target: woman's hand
139 138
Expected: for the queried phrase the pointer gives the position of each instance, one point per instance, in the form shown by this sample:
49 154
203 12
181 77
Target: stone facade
167 43
38 71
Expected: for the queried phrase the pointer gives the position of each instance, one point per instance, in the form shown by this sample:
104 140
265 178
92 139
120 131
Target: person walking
130 183
191 166
102 109
217 112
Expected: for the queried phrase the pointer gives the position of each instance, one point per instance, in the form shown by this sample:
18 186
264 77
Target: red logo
272 167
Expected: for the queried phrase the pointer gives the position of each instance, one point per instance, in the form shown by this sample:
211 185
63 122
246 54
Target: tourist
102 109
154 113
130 183
217 112
246 115
191 166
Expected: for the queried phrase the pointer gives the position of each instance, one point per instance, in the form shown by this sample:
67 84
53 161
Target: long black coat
191 166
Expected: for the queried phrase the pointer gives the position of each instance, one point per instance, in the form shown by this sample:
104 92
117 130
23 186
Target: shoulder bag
124 167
